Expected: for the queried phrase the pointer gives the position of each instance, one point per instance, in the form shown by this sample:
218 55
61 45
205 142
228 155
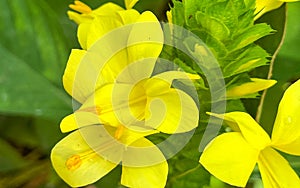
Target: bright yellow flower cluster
232 156
121 101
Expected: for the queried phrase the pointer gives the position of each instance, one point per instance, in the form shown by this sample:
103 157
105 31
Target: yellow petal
291 148
252 87
129 16
112 109
130 3
88 71
242 122
138 169
101 103
100 26
139 98
286 127
263 6
107 9
145 151
79 18
153 176
172 112
156 86
276 171
145 43
230 158
132 134
79 118
170 76
76 89
113 68
132 73
76 163
82 34
160 83
169 16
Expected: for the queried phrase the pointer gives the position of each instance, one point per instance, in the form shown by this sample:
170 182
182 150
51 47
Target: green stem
185 173
270 73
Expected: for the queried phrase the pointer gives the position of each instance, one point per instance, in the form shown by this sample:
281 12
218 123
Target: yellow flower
231 157
122 102
111 124
88 154
145 30
137 96
263 6
249 88
95 23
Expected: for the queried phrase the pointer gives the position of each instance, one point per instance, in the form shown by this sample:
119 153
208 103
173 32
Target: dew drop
288 120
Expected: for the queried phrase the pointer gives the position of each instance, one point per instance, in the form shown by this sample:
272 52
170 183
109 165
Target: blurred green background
36 39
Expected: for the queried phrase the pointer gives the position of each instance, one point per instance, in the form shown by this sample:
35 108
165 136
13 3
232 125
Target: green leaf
47 133
245 61
34 52
235 105
10 159
178 13
216 183
224 11
31 32
213 25
250 35
190 8
111 180
18 130
25 91
215 45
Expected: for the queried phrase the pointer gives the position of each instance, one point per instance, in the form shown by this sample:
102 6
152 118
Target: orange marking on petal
74 162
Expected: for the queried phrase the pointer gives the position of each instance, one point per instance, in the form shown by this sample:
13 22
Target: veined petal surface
70 75
142 172
230 158
76 163
276 171
130 3
172 112
242 122
287 124
145 43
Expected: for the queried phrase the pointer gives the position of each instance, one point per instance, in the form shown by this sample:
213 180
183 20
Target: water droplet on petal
288 120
